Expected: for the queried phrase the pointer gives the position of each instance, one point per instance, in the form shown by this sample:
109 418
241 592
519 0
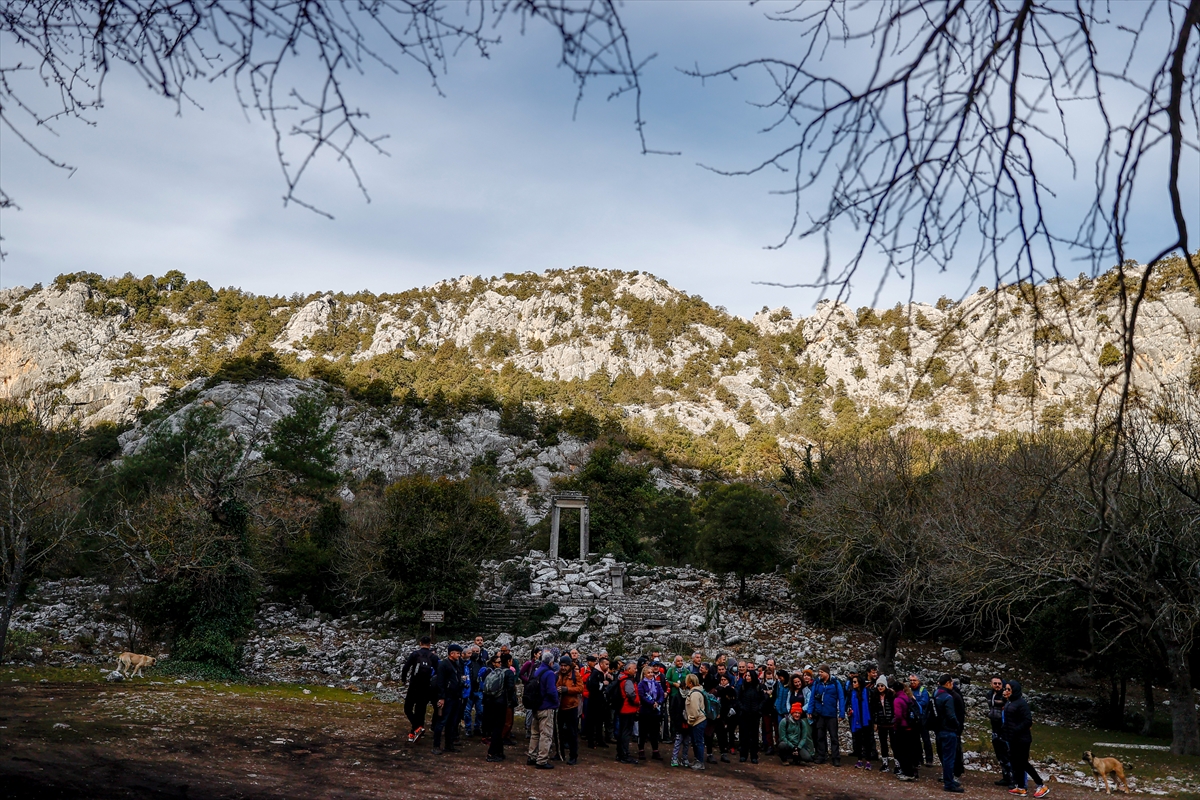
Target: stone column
555 515
585 533
617 574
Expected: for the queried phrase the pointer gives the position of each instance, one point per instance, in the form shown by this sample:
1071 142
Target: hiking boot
837 762
858 765
437 751
494 759
657 756
741 759
956 788
547 765
724 758
571 762
753 759
530 762
1004 781
1042 791
698 765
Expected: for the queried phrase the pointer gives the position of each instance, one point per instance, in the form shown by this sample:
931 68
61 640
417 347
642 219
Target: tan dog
132 664
1103 766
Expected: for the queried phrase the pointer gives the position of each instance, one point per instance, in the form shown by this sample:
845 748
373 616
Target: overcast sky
495 176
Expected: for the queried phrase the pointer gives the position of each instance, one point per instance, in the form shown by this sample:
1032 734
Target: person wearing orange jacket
570 693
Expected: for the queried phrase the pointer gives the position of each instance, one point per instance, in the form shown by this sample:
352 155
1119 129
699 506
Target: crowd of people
692 712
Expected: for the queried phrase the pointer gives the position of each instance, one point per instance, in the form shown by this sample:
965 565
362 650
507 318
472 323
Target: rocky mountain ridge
1014 358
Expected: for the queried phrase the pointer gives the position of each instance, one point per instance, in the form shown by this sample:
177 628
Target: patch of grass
1066 745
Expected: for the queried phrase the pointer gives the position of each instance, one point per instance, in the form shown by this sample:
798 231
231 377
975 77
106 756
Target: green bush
438 531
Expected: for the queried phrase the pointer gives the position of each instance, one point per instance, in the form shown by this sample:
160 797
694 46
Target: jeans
541 736
445 721
823 725
698 741
416 703
947 749
473 703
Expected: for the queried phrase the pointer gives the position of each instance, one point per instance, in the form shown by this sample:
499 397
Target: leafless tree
38 498
290 63
863 550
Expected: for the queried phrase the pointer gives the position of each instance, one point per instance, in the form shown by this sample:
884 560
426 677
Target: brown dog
132 664
1102 766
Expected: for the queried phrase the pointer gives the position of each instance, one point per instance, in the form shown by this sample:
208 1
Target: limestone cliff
1005 359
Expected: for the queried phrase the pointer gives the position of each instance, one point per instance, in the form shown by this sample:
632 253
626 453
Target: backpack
712 707
612 694
493 684
914 715
531 698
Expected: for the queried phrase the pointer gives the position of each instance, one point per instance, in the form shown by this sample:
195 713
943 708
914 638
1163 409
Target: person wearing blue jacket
858 709
948 727
541 737
826 705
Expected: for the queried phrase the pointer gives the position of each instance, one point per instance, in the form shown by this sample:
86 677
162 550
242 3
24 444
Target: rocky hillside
619 344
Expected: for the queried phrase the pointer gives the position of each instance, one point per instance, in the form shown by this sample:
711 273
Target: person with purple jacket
650 705
541 737
906 743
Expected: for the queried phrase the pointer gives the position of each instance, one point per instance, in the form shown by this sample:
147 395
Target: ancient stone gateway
569 500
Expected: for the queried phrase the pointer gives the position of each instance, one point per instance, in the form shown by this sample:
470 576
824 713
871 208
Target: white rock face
368 440
992 362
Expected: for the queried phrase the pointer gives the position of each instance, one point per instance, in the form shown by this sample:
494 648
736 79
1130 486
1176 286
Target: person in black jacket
995 713
597 711
420 666
727 720
949 724
496 706
749 713
1016 726
447 692
960 708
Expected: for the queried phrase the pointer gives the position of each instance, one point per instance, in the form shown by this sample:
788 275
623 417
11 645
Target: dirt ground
152 739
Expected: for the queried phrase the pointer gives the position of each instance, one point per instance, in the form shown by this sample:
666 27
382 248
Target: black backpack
532 696
613 693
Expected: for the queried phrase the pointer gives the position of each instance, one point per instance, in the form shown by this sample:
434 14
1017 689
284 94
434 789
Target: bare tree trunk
1148 696
889 642
11 589
1185 735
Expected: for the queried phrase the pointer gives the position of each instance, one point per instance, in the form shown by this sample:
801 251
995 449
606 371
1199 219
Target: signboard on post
433 617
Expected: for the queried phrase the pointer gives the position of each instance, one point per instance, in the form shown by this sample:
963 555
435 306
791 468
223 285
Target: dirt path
147 740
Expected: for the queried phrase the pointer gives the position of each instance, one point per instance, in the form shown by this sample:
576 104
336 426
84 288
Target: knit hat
565 661
825 668
881 680
454 648
797 708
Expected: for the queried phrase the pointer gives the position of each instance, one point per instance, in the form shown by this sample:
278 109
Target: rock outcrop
1009 359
